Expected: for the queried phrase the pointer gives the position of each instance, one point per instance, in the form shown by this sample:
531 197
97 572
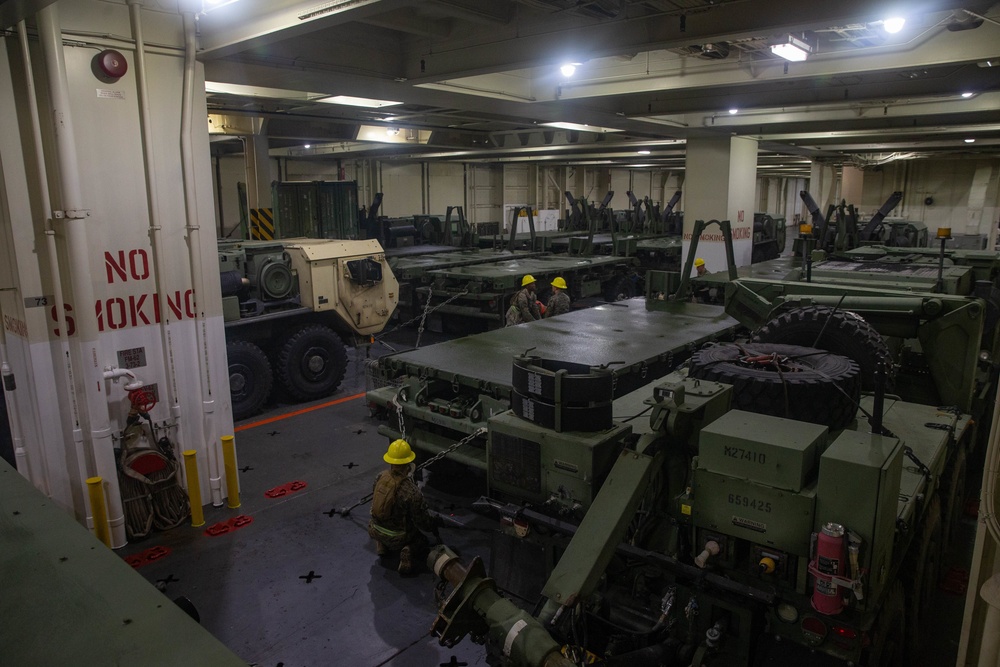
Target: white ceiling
478 78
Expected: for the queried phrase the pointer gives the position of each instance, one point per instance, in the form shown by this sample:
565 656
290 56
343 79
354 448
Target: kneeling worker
399 512
559 301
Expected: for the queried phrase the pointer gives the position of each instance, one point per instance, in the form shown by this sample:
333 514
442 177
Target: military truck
291 306
786 502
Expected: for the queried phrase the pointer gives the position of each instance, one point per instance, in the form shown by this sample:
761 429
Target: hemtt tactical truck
783 500
290 307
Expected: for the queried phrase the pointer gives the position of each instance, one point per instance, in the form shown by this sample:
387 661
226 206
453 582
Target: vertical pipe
218 195
55 275
194 488
74 217
153 208
232 479
95 490
195 260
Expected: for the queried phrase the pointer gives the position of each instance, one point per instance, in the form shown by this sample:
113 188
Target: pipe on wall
196 264
74 220
153 206
55 273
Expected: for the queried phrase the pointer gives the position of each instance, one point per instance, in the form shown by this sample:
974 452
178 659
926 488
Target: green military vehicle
785 502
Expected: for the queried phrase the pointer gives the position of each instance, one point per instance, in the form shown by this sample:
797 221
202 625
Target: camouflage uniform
558 304
398 514
523 308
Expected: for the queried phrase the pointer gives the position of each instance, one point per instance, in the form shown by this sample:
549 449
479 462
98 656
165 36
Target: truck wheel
250 378
312 363
619 289
813 386
843 332
888 647
925 573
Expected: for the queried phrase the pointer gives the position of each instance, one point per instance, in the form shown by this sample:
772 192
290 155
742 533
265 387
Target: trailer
786 502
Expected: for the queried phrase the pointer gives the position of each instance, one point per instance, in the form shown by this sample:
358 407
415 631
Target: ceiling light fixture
356 101
643 152
307 146
792 48
894 24
568 69
967 95
209 5
970 141
734 111
392 131
581 128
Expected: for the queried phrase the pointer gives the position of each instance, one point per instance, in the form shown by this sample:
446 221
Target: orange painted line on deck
278 418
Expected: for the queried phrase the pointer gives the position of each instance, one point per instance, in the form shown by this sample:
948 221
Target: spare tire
838 331
807 385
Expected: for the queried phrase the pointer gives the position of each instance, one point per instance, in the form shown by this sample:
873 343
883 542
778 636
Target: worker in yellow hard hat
559 301
524 306
399 511
699 266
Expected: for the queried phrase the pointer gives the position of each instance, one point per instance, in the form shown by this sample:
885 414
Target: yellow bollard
232 480
98 510
194 488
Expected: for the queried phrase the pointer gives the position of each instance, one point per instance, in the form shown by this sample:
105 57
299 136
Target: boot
405 561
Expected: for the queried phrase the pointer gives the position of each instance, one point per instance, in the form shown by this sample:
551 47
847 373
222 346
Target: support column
721 179
258 167
852 185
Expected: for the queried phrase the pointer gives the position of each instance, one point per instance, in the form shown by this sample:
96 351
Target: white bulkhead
128 248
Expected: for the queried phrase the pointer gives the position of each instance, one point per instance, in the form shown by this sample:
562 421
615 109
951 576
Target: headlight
787 612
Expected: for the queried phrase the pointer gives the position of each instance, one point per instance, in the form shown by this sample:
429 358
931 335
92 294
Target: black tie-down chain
908 451
434 459
422 316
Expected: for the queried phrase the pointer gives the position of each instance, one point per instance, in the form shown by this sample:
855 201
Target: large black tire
888 646
847 334
619 289
250 378
312 363
820 387
922 578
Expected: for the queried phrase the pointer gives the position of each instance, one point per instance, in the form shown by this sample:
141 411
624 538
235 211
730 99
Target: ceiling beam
252 24
522 44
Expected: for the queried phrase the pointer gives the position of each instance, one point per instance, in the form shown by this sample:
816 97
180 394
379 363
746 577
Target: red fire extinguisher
829 563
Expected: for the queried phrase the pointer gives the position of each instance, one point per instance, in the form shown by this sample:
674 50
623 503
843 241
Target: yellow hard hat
699 262
399 453
559 282
527 280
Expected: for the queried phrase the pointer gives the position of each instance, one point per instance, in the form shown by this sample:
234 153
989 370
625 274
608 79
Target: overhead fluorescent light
581 128
970 141
209 5
366 102
894 24
734 111
568 69
792 49
967 95
643 152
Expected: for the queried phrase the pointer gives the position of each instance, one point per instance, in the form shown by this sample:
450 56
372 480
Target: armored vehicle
290 307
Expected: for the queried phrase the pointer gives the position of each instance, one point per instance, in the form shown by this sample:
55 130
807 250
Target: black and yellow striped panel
261 224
